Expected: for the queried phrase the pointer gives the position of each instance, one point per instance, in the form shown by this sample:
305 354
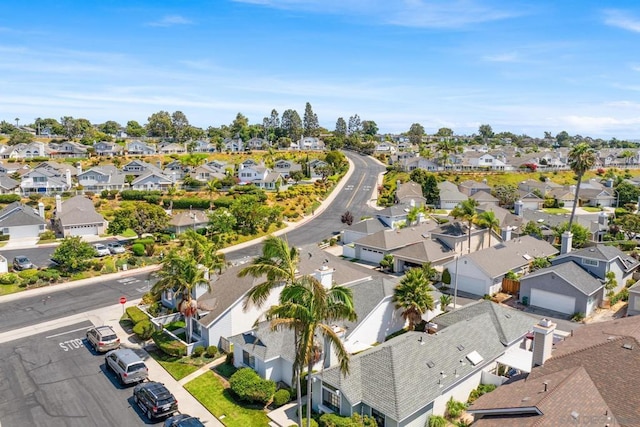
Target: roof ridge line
608 341
567 378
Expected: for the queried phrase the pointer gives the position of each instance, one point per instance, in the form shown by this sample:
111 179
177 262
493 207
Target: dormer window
590 262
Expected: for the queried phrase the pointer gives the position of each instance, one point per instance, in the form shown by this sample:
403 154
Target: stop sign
123 300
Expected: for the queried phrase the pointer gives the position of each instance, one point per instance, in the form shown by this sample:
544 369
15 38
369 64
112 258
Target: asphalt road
36 309
354 197
53 379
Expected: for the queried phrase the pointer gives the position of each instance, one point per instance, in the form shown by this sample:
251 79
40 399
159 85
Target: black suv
154 399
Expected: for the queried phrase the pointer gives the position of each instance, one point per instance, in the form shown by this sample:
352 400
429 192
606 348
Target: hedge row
9 198
143 329
187 203
168 344
138 195
136 315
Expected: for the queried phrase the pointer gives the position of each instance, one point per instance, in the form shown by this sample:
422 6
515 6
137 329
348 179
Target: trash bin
525 300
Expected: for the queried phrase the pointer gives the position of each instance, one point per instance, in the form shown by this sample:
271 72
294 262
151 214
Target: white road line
68 332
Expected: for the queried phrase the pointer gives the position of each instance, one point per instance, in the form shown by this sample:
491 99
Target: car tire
121 380
107 367
149 415
136 399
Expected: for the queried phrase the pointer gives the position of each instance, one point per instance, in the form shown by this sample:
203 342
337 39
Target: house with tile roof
18 221
77 217
581 383
403 381
481 272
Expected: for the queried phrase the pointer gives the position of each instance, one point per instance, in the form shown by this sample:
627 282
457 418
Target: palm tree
581 159
446 148
308 308
487 219
413 215
203 250
445 300
212 187
466 210
413 296
181 274
429 272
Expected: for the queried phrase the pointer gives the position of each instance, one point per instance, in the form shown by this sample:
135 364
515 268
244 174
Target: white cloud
170 21
405 13
620 19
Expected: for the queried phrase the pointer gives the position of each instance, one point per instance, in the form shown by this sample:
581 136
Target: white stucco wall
381 322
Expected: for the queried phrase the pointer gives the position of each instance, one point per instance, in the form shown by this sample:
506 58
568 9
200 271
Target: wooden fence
510 286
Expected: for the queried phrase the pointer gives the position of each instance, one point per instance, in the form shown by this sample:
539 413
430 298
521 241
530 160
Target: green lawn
178 367
556 211
10 289
209 391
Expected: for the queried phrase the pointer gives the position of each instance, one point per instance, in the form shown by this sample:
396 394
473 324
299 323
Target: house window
591 262
248 359
378 416
331 398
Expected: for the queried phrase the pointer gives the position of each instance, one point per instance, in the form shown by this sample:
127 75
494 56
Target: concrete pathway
203 370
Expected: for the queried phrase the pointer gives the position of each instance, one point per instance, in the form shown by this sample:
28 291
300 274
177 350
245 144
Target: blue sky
520 66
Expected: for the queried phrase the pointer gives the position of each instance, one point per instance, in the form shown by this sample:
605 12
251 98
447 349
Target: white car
115 248
101 250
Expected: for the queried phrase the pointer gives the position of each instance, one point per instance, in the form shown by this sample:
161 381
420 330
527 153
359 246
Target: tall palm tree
181 274
446 147
278 265
413 296
487 219
203 250
581 158
466 210
309 308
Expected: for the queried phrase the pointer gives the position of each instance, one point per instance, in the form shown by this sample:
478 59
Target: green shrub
223 202
187 203
212 351
136 315
47 235
281 397
138 195
168 344
145 241
8 278
198 351
28 274
314 423
143 329
4 237
477 392
9 198
455 408
248 386
138 249
437 421
334 420
627 245
446 277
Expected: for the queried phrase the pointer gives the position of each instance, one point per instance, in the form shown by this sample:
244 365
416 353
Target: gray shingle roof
367 226
393 239
425 251
509 255
572 274
78 210
265 343
394 377
16 214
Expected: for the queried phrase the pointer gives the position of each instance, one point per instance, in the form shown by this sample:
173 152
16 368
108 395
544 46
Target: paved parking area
53 379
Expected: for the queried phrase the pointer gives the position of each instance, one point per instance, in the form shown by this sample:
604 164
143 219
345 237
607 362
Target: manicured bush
455 408
248 386
49 275
334 420
136 315
4 237
138 249
168 344
187 203
281 397
9 198
28 274
198 351
482 389
138 195
223 202
8 278
212 351
143 329
446 277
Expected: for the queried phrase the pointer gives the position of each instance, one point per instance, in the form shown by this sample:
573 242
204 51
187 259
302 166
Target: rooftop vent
627 346
430 364
460 347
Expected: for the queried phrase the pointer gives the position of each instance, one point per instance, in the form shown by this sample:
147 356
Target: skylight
475 358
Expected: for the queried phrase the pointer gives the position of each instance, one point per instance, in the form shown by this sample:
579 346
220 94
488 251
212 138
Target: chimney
603 219
609 183
79 169
159 164
505 233
68 177
565 244
542 341
572 189
58 205
518 207
41 210
324 275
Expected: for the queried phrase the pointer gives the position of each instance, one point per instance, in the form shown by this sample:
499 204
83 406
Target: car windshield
109 337
100 247
22 260
165 399
190 422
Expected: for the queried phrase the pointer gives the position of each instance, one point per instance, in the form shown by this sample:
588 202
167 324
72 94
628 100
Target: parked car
154 399
101 250
183 420
103 338
22 263
115 248
128 366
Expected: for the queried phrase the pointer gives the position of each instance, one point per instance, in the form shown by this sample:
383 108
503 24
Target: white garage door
371 255
471 285
83 231
551 301
24 231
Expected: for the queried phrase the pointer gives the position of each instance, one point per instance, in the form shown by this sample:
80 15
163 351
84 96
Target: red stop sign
123 300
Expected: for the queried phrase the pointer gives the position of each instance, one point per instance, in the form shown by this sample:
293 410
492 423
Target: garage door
83 231
24 231
370 255
551 301
471 285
